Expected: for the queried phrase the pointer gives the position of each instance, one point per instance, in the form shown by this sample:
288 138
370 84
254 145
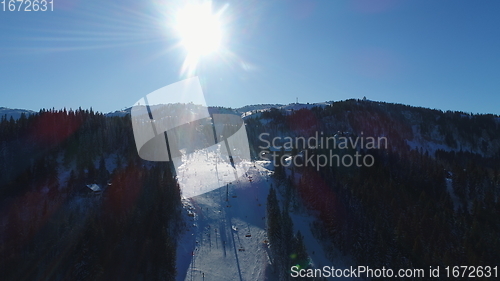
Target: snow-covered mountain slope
119 113
15 113
257 107
256 110
244 111
226 236
226 230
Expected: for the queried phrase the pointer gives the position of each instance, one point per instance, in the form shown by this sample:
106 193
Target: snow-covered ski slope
14 112
225 237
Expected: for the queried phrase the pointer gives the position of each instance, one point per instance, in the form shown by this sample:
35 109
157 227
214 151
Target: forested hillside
77 203
53 227
430 199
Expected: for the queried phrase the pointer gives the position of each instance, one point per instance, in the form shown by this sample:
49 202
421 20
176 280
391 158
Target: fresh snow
226 240
252 111
454 197
119 113
14 113
437 142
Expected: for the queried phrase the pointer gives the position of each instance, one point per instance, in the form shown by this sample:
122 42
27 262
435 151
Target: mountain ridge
16 112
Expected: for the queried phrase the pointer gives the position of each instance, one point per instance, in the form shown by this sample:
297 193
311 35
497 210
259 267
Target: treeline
55 228
408 210
286 247
476 133
412 208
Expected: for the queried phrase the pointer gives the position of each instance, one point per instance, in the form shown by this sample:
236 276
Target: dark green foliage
413 208
56 229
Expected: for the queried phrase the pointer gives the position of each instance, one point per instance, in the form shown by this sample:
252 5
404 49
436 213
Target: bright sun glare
200 32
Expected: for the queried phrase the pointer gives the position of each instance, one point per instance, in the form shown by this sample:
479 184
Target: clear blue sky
108 54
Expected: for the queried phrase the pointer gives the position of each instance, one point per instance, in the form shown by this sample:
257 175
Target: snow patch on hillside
226 238
454 197
257 110
14 113
437 142
226 231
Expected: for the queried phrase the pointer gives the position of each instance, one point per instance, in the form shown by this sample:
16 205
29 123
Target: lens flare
200 32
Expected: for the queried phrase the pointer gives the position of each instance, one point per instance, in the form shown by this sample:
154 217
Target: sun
199 30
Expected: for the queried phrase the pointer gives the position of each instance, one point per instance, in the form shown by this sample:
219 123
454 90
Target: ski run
225 236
